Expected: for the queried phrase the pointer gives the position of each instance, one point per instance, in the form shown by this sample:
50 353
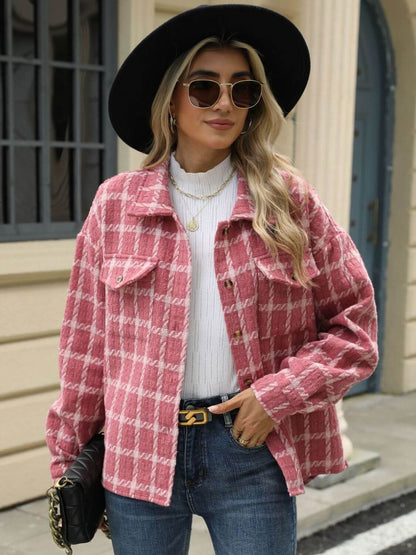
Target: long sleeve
78 412
345 352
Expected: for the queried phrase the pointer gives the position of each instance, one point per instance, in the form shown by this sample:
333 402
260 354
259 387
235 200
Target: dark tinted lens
203 93
246 93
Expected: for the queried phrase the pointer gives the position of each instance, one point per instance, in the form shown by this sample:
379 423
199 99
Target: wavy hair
276 218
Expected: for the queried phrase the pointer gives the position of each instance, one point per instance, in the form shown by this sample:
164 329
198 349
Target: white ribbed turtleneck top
209 368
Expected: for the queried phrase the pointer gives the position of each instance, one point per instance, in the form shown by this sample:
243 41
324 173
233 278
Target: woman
216 312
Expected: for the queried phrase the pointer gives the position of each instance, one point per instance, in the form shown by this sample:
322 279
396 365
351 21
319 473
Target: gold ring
243 442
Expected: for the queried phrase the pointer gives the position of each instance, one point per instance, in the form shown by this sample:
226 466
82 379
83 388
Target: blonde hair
276 214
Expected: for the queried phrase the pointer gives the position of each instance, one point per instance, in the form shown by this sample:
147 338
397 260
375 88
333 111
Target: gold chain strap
55 520
105 526
55 523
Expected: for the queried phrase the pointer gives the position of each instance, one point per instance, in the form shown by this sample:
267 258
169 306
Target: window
57 60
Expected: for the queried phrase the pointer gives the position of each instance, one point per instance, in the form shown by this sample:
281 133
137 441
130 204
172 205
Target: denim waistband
207 402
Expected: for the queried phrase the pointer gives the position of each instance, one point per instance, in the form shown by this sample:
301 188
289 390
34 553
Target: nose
224 101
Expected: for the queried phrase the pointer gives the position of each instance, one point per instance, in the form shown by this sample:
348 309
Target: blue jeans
240 492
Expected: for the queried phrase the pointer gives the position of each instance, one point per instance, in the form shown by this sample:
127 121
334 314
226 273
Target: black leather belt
194 417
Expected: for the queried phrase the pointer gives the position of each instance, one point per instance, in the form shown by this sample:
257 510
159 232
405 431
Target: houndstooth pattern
124 334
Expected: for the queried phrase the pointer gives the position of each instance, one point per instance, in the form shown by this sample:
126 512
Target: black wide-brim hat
281 46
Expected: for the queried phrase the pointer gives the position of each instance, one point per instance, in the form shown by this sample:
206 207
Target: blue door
372 156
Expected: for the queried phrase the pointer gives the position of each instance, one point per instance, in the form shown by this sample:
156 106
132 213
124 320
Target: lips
221 124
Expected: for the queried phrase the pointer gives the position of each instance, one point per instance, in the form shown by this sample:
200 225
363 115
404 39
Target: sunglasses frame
183 83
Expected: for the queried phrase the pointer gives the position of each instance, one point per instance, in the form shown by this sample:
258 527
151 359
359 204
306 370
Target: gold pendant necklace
193 225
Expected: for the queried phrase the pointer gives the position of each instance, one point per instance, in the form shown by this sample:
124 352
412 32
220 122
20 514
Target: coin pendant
192 225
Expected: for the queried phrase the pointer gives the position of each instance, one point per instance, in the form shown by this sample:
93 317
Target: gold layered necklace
193 225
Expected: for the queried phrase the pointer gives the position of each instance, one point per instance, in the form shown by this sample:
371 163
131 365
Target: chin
223 145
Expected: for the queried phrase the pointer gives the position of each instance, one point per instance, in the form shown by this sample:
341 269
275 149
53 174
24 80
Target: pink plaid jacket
125 329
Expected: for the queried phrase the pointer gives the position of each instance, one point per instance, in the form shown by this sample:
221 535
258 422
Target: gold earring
172 123
248 128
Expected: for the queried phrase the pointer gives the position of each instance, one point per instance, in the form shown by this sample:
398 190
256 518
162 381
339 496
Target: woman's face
215 128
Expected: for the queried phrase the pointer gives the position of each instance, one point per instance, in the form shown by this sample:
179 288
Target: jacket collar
153 197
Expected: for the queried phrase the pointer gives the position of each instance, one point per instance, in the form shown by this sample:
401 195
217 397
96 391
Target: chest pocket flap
282 268
118 271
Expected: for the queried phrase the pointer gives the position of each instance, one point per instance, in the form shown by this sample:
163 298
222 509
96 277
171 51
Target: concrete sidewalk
381 423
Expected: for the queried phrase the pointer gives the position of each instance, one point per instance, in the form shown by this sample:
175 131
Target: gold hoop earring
172 123
250 122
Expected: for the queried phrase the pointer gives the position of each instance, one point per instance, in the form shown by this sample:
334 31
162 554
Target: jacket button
225 230
228 284
119 279
238 334
248 382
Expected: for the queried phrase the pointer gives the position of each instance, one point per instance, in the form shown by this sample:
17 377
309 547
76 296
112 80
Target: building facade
353 135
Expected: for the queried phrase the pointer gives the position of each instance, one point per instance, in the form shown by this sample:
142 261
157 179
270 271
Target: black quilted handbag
76 501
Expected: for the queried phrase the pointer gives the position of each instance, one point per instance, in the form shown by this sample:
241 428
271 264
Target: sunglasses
204 93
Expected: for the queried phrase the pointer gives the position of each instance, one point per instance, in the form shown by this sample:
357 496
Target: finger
254 442
236 432
244 442
226 406
262 439
258 443
256 439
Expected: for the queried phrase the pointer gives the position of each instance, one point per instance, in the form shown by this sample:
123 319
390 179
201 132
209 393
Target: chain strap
105 526
55 521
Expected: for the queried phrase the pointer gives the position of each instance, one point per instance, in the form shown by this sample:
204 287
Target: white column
135 21
325 115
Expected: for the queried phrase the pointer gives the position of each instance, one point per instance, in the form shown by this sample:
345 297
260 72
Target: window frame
45 228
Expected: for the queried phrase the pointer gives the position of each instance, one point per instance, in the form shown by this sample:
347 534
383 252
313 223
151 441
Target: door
372 156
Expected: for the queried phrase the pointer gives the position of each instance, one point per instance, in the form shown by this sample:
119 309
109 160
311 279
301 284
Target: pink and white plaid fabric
125 329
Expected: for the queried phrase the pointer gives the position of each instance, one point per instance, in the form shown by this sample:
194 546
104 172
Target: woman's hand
252 424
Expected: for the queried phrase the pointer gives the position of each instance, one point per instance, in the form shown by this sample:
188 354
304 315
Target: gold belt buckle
192 417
